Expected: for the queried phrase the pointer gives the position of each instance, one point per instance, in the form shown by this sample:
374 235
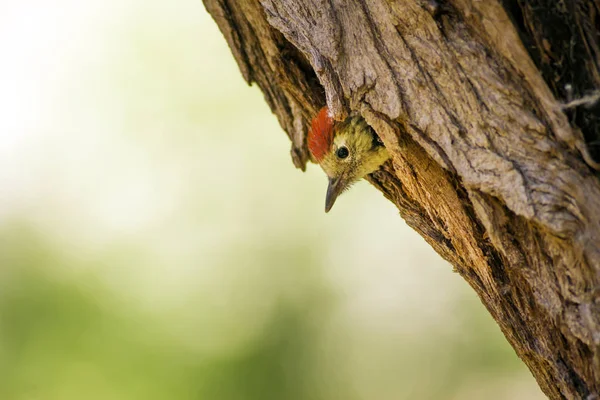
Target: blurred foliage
156 242
64 338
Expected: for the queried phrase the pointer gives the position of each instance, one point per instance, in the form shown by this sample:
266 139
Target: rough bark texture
488 163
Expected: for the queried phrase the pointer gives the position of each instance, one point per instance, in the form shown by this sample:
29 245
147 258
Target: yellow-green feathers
347 151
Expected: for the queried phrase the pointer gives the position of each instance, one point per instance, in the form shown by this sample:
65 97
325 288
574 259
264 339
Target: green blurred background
156 241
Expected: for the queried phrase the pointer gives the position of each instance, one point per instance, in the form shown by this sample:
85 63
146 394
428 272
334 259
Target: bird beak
334 189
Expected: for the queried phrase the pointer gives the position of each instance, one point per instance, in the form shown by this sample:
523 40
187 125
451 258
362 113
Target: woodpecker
347 151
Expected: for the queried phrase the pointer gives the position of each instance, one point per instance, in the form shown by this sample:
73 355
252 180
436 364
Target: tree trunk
485 107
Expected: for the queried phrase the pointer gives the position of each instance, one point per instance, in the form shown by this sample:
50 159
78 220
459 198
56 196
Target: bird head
347 151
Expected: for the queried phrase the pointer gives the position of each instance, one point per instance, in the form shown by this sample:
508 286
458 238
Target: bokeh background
156 241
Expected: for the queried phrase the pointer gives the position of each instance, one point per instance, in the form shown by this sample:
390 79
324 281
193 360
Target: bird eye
342 152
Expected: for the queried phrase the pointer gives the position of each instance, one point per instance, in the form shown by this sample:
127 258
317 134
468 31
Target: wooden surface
487 163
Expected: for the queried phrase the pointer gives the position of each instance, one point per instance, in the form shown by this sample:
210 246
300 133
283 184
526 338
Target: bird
347 151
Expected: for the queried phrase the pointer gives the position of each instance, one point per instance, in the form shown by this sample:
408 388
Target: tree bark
479 103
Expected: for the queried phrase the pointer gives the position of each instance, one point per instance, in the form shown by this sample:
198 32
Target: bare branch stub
486 166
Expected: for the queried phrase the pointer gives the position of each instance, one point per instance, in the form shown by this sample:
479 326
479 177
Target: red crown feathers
320 136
